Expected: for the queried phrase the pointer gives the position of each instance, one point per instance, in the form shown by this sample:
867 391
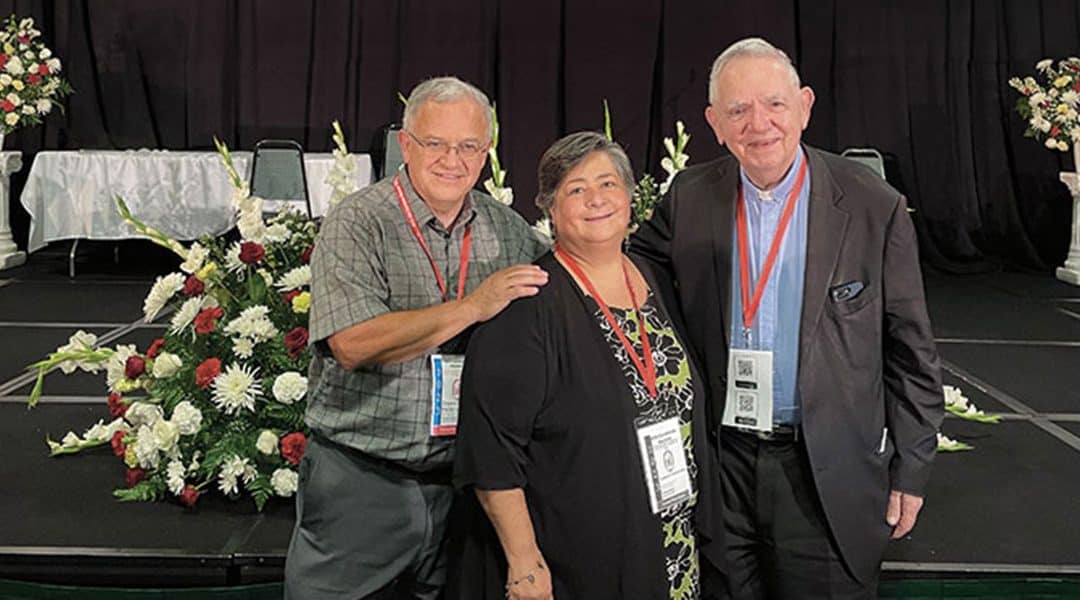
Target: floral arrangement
218 401
1050 102
30 81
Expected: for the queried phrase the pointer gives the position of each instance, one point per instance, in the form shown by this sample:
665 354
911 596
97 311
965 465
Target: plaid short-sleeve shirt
367 263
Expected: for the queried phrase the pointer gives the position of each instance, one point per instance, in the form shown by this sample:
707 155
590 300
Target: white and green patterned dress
675 398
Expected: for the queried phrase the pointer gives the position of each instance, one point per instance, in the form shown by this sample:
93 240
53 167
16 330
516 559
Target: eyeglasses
466 149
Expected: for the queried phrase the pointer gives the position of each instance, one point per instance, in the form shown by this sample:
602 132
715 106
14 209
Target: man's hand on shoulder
902 513
503 287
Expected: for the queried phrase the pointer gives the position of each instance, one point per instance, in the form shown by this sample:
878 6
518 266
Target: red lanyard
750 306
466 244
647 369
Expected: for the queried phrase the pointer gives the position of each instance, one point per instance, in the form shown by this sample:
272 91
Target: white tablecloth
70 194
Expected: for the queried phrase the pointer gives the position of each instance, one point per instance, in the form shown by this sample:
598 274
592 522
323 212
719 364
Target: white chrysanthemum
117 364
243 347
188 310
232 259
230 473
143 413
102 432
253 323
166 435
166 365
174 477
146 448
43 105
163 290
295 278
290 387
187 417
267 442
79 341
236 389
196 256
284 482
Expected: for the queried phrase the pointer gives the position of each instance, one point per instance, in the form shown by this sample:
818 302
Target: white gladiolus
78 342
70 440
101 432
196 256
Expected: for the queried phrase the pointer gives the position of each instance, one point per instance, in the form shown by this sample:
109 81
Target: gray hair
754 47
445 89
565 154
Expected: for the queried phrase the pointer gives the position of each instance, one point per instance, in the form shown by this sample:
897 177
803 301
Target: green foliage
145 491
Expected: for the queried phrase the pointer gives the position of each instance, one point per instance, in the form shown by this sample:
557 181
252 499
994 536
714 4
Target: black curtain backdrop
924 81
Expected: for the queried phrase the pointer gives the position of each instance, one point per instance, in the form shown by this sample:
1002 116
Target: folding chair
386 152
277 175
869 157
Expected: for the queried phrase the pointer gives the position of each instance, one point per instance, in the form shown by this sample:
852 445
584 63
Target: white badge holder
445 393
663 458
749 402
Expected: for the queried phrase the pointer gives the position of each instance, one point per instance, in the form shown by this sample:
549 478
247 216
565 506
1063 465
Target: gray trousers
365 529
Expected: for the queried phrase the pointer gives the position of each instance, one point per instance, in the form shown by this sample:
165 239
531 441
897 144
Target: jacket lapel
826 226
721 197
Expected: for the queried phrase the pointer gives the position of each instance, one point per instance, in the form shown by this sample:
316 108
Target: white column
1070 271
10 255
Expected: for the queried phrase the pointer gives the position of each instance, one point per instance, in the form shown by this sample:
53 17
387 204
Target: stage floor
1010 341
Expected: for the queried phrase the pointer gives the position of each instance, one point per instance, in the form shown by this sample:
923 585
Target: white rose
5 79
28 109
267 443
187 418
14 66
13 98
166 365
45 53
166 435
11 118
284 482
290 387
1051 143
141 413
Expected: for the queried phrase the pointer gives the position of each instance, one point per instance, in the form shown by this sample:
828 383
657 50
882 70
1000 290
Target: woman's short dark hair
566 153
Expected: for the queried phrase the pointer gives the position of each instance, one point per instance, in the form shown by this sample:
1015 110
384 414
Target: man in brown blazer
799 278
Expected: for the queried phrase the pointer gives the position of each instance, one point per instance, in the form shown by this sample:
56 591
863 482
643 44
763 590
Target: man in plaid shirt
401 270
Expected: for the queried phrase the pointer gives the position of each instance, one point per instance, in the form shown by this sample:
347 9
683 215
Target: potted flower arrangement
30 81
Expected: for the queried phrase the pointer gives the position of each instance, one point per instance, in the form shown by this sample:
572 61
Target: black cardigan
545 407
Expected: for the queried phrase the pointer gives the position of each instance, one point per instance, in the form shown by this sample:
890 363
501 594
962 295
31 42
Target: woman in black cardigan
584 441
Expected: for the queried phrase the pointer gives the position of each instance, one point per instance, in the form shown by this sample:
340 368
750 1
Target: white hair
445 89
754 47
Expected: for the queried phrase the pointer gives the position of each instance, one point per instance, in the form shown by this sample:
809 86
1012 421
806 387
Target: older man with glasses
401 271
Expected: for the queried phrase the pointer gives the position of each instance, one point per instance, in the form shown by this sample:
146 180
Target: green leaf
607 122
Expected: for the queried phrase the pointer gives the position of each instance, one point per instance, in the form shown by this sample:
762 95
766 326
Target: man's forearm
402 335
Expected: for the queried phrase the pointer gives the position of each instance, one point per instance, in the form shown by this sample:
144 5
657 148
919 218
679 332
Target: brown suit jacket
866 362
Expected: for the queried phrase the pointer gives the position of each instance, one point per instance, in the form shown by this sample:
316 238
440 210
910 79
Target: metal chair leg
71 258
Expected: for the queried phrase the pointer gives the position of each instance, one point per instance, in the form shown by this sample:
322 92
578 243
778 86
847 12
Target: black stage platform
1010 341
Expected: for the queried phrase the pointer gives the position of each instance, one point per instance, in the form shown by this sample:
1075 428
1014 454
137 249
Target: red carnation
296 341
289 295
7 106
189 496
24 39
306 256
292 447
155 348
3 60
206 320
207 371
1054 131
193 286
134 476
134 367
117 442
251 253
33 78
117 406
43 69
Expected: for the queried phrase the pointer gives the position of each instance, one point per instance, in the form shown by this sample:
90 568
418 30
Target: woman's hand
529 580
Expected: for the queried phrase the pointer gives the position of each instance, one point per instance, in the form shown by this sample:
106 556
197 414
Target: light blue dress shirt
776 326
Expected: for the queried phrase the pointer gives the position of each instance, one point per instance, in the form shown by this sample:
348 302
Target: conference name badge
749 402
663 459
445 393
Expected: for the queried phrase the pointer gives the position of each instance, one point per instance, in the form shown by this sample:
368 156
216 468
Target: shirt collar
781 191
423 213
